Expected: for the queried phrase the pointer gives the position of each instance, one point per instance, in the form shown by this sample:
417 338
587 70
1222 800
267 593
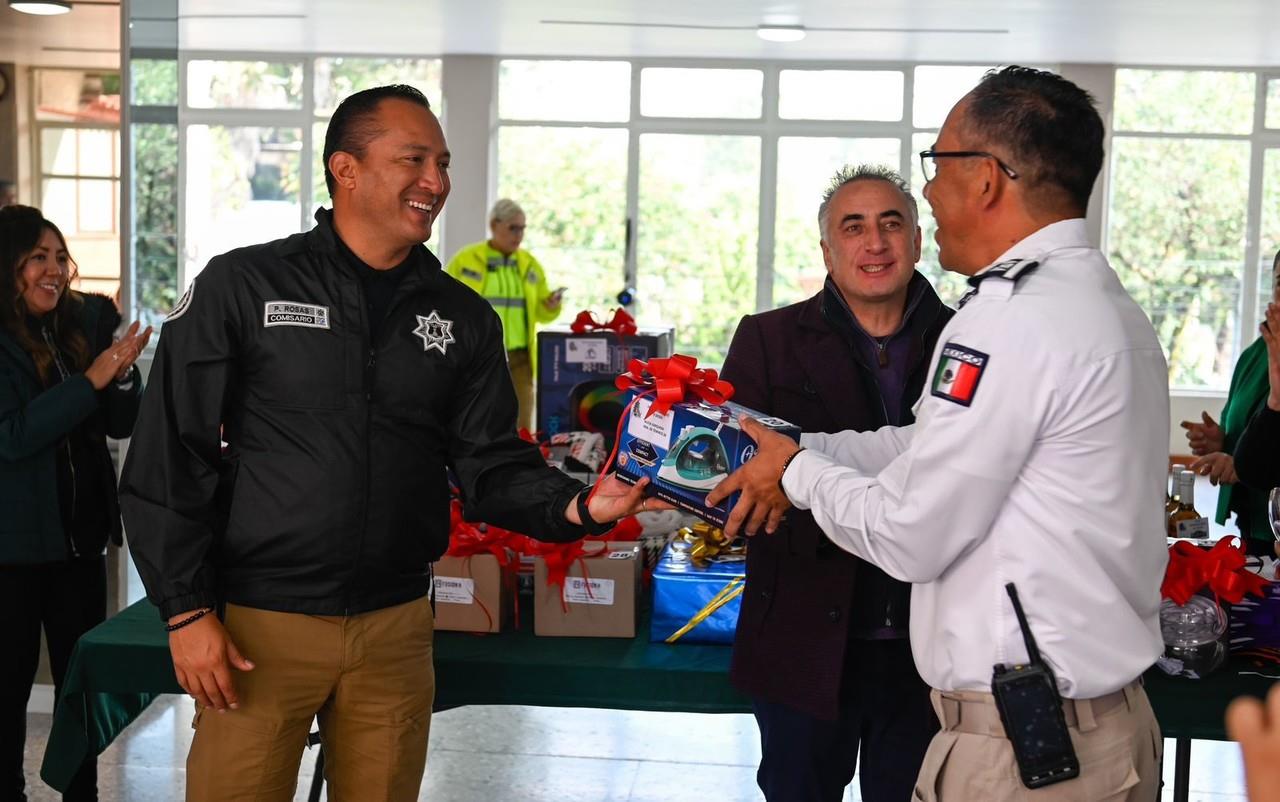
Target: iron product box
576 374
681 589
688 451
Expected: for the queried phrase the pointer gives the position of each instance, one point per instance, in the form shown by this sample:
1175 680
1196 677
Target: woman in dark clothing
1257 457
65 387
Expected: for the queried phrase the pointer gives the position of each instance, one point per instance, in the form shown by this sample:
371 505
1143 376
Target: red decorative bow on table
670 380
560 557
466 540
1220 569
621 323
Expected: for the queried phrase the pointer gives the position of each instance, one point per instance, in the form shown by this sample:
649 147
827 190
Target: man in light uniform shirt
1037 457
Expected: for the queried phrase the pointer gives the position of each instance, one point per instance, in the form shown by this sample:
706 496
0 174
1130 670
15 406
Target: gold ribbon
707 542
727 594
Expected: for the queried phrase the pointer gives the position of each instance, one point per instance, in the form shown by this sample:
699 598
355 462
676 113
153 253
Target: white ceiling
1191 32
87 37
1204 32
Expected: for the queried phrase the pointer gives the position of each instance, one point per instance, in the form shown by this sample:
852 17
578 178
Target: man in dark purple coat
822 643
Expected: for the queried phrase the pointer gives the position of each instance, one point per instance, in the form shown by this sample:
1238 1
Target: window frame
1260 139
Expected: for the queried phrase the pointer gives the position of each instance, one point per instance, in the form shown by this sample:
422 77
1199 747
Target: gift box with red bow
683 433
577 365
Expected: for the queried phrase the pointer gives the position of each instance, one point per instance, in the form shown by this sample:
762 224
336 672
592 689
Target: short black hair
353 124
1049 126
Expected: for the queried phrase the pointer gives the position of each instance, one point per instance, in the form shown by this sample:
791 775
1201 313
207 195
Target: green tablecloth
120 666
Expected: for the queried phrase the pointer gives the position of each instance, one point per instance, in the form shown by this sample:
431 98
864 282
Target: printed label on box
455 589
583 350
655 428
580 590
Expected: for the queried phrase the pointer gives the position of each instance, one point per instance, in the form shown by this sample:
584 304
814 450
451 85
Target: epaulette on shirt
1010 271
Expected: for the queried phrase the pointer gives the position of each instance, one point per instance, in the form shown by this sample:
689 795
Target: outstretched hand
615 499
762 502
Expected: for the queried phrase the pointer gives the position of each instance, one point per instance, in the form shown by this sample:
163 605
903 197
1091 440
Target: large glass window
1184 102
241 130
1177 233
78 154
1179 205
697 243
676 92
572 185
574 91
242 188
1273 103
244 84
840 95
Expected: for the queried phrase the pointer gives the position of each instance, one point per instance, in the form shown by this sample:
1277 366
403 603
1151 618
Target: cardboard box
471 594
681 589
688 451
602 603
576 374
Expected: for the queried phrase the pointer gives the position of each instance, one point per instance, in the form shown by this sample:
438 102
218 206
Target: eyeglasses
929 161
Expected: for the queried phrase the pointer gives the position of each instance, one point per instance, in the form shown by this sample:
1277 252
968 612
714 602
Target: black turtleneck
379 285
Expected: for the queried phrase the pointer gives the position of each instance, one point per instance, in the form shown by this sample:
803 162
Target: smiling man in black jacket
822 638
346 372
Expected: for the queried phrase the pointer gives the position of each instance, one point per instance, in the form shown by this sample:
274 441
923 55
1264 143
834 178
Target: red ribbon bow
560 557
669 380
672 380
1220 569
621 323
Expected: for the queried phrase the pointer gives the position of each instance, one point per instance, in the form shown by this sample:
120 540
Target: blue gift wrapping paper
681 589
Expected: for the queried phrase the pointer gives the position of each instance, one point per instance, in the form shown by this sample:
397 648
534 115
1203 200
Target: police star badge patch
435 331
958 373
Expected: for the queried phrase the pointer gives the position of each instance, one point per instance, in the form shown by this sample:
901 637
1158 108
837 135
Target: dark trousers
66 600
884 712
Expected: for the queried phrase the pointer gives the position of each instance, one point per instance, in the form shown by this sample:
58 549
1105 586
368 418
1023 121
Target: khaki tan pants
1116 739
522 379
369 679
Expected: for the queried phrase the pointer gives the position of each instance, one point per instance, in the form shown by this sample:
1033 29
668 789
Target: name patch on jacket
958 373
293 313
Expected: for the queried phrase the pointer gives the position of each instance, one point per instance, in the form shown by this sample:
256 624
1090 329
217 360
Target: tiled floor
527 754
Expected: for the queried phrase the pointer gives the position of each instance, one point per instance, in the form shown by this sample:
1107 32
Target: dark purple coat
793 631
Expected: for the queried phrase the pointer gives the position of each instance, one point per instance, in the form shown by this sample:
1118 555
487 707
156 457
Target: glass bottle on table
1171 494
1185 521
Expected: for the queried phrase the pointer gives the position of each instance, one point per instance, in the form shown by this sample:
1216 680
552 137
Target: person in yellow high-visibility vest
515 284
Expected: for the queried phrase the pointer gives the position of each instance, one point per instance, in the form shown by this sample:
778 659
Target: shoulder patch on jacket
184 303
958 373
474 275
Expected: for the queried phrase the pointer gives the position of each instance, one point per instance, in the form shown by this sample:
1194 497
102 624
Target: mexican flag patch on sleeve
958 373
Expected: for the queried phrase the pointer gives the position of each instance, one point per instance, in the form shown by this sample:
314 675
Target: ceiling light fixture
780 33
42 8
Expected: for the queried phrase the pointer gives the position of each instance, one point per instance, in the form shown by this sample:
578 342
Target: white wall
470 88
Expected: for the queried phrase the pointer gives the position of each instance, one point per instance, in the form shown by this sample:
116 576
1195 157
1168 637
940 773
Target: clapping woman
65 386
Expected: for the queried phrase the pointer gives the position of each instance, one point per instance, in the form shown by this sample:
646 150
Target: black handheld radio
1031 710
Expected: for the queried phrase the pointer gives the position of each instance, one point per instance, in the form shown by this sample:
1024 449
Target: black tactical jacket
332 496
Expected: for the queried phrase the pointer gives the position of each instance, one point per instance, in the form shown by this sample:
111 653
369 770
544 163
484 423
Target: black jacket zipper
66 441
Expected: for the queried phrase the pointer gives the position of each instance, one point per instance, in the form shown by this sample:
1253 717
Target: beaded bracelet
786 463
191 619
